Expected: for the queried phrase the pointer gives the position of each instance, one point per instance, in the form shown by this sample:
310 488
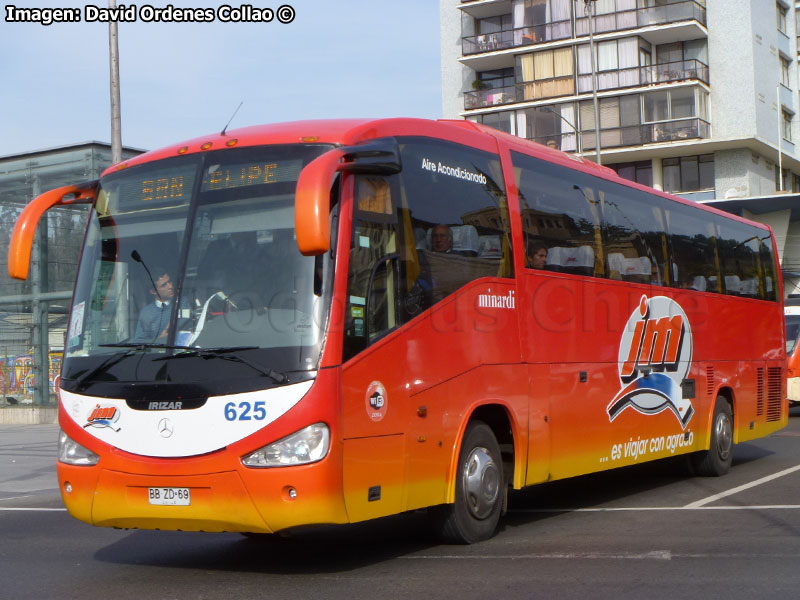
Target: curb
31 415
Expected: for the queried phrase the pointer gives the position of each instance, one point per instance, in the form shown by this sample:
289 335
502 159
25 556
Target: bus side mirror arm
312 198
19 248
312 203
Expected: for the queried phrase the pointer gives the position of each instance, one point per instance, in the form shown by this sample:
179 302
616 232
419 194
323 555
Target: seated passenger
697 283
655 275
537 257
442 239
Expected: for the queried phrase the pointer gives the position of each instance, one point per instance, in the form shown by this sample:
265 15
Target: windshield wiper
228 354
111 360
115 358
145 346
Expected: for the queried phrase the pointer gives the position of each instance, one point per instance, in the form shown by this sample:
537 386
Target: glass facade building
33 313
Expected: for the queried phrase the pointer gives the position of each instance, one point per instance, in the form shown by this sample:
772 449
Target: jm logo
103 417
655 355
656 343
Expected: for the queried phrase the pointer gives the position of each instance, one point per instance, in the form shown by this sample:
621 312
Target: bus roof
354 131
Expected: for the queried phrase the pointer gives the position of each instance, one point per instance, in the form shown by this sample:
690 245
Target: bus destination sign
170 187
224 177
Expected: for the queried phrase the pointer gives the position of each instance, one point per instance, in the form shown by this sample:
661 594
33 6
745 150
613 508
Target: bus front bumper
250 500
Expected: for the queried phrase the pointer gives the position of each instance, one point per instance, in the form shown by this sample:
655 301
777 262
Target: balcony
643 17
514 38
673 72
637 135
521 92
490 97
649 133
620 21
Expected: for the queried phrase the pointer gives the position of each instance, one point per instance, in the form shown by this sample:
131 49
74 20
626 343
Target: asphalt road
644 532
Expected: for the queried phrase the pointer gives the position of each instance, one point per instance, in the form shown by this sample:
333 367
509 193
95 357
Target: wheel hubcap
724 435
481 483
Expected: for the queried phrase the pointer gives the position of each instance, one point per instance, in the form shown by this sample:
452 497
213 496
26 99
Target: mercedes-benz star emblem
165 428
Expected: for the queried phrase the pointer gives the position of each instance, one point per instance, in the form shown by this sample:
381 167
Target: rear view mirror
312 199
19 249
312 203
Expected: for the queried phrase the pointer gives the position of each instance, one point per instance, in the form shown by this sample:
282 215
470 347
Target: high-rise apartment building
695 97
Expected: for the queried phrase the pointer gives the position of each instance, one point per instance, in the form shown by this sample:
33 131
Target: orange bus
791 311
333 321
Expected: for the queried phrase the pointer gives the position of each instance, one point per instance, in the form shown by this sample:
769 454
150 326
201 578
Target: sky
178 81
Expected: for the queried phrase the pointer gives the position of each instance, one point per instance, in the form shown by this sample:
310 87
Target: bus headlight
303 447
72 453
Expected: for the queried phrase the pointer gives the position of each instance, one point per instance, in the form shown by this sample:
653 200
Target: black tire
480 490
716 461
261 537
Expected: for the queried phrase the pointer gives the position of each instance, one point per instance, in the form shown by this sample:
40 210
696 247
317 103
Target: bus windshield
194 258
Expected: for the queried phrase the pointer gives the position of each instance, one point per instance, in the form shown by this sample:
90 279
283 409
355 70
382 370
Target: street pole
589 6
116 120
780 143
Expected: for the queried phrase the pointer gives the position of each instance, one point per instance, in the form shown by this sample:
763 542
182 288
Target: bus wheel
717 459
261 537
479 489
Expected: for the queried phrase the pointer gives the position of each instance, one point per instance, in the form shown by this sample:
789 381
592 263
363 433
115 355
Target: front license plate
169 496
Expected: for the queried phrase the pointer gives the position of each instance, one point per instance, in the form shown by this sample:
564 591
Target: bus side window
560 210
741 262
454 224
693 241
633 240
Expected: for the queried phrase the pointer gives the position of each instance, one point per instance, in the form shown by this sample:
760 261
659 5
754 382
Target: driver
154 319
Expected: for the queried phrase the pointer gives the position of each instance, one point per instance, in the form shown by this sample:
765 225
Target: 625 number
245 411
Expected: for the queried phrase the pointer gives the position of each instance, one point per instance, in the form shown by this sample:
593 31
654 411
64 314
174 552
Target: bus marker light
231 143
183 150
206 146
309 139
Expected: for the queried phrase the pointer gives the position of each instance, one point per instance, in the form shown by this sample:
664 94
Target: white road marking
33 509
654 555
656 508
741 488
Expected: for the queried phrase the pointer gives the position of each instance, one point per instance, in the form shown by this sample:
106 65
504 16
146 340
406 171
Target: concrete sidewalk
28 455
